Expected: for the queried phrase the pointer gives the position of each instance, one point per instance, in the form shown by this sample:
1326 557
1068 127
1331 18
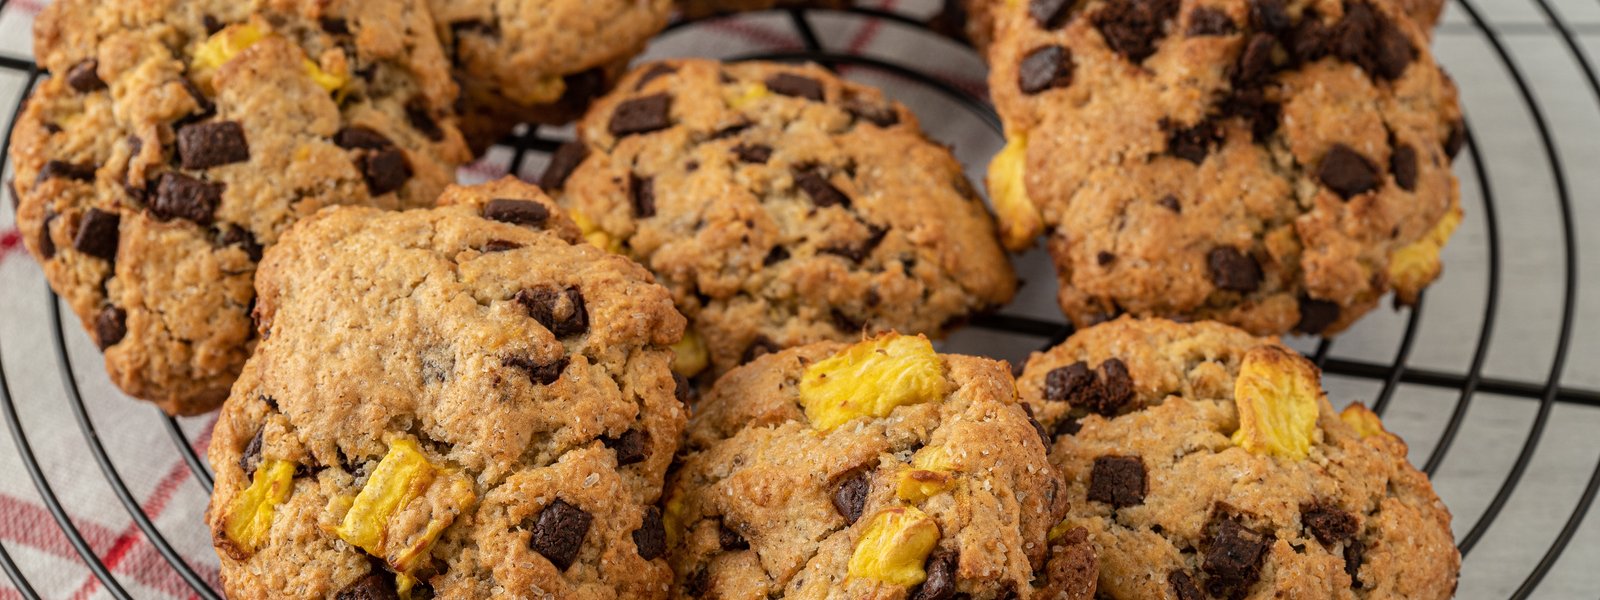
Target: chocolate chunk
642 193
1233 555
85 76
794 85
493 246
1403 164
57 169
1104 258
1454 140
845 323
1346 172
1316 315
758 348
1192 143
1255 63
730 540
334 25
642 115
1116 387
98 234
1051 14
47 244
1044 436
822 193
656 71
110 326
1133 27
753 153
180 196
212 144
697 584
651 537
1069 383
1068 426
1328 523
1045 68
233 235
518 212
357 137
1391 51
1311 39
1183 586
1207 21
682 389
1170 202
211 24
1269 15
561 311
375 586
774 256
558 534
1354 553
851 495
859 251
1253 106
251 457
582 88
421 118
385 170
565 160
1117 480
540 373
941 581
1233 270
882 115
631 447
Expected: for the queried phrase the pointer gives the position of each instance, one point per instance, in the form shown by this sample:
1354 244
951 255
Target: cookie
540 61
450 403
781 205
705 8
876 470
174 143
1207 463
1276 166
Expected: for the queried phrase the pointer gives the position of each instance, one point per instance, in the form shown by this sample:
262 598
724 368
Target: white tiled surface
1525 337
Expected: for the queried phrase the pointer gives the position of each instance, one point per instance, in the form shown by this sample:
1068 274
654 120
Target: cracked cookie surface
879 470
461 402
1207 463
177 139
1276 165
781 205
539 60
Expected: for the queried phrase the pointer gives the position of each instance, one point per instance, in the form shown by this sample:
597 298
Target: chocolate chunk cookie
1278 165
781 205
1221 471
540 61
174 143
876 470
448 403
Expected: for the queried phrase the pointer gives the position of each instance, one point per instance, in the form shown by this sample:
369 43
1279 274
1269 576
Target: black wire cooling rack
1389 376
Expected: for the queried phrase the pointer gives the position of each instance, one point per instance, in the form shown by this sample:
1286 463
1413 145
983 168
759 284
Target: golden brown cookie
177 139
1207 463
1275 165
876 470
539 60
460 402
781 205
